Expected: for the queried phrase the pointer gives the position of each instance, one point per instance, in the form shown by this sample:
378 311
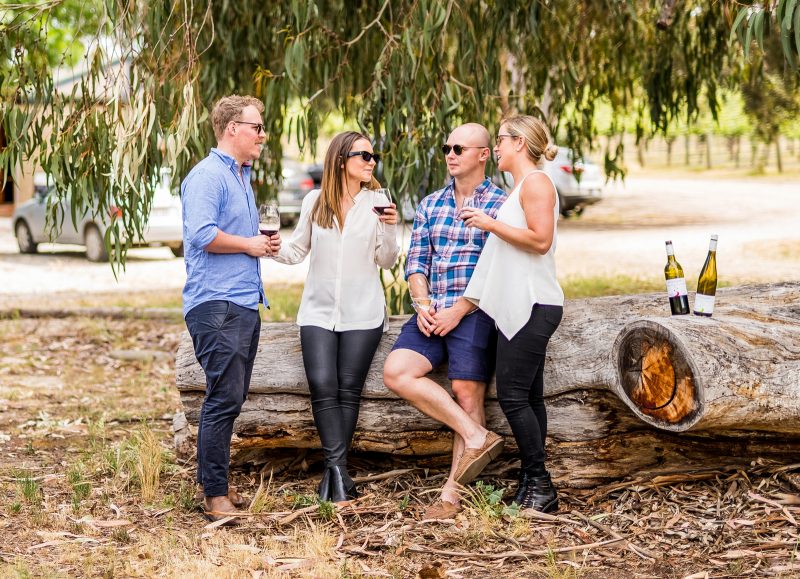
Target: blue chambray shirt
213 199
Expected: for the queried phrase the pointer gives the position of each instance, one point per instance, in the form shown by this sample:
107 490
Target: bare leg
469 395
404 373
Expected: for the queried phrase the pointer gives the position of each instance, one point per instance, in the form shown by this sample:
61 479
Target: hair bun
550 151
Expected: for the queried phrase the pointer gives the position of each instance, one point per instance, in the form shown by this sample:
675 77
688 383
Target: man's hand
259 245
274 244
447 319
426 321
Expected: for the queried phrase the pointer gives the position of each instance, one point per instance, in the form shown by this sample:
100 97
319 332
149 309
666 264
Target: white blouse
343 290
508 281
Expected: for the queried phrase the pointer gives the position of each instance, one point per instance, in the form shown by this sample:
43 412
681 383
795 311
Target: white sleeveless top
507 280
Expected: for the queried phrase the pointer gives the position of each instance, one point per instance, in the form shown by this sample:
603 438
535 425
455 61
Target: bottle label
676 287
703 304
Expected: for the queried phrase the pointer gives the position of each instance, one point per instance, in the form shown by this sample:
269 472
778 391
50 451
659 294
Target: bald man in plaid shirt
442 256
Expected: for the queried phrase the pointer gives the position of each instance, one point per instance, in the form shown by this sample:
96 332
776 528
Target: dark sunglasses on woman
366 155
457 149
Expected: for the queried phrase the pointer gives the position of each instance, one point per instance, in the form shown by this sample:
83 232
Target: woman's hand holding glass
475 217
386 212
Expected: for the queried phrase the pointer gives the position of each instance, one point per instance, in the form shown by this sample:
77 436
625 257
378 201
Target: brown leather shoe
237 499
441 510
219 508
474 460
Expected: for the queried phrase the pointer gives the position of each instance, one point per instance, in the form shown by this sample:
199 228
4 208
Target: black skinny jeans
520 383
336 366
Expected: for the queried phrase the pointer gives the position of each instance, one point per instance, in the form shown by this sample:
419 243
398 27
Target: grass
148 460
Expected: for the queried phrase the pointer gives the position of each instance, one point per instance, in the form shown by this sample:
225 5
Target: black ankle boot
324 488
342 487
521 487
540 494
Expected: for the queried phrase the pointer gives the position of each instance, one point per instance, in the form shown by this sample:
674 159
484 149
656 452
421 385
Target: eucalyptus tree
406 71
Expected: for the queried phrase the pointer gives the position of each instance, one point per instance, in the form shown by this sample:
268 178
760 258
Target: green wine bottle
707 283
676 284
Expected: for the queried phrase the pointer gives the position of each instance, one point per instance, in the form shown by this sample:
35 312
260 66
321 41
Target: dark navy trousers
225 338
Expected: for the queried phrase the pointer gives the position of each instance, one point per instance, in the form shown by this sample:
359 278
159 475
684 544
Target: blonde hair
537 137
328 204
229 109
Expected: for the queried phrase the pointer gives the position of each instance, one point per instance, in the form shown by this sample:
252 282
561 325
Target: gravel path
758 222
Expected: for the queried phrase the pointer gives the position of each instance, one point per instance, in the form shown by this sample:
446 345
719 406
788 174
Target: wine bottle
676 284
707 283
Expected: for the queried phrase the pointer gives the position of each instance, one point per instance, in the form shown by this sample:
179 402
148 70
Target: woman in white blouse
342 313
515 283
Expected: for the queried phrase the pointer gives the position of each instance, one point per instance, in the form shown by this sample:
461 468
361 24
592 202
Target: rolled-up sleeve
203 196
419 253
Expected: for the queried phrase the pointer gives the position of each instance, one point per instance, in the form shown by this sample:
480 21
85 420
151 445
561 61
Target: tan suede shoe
474 460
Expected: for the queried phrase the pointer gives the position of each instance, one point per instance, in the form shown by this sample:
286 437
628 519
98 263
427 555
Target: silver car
298 180
30 222
579 183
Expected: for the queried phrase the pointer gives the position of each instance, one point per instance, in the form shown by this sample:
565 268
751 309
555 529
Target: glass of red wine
269 219
381 201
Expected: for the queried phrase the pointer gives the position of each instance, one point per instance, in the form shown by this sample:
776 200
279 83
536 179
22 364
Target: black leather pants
336 365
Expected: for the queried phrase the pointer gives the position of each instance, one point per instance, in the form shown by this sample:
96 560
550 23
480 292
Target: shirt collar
482 187
229 161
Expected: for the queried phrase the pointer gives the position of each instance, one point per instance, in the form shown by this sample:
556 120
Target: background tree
406 71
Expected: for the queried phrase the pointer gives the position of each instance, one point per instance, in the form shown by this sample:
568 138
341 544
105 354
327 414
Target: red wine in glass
381 201
269 219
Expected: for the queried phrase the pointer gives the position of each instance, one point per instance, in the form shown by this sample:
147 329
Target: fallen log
629 388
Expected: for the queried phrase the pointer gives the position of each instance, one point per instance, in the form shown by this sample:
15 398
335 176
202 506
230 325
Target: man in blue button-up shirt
223 284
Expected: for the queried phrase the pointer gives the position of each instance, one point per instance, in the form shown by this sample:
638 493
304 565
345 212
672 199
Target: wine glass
381 201
471 202
420 289
269 219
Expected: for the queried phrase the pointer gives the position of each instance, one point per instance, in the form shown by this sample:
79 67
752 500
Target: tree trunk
629 388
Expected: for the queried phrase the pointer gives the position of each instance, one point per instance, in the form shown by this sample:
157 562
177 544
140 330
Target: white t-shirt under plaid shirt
439 241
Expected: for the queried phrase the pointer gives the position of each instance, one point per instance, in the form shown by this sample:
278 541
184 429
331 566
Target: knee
394 376
468 394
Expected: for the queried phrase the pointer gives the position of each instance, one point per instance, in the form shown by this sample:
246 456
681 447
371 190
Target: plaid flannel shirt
439 241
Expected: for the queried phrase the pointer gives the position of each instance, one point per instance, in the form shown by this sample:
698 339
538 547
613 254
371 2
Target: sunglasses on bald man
457 149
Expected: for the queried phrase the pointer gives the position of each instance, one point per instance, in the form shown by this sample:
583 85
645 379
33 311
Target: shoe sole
213 519
483 459
550 507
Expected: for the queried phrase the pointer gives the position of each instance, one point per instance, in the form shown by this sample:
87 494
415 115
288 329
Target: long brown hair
328 203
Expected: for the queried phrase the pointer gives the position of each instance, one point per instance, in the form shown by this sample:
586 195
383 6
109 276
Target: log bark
629 388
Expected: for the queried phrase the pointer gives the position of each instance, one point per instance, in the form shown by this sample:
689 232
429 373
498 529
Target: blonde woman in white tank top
515 283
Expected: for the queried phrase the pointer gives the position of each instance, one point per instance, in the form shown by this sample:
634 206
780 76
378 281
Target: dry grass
90 488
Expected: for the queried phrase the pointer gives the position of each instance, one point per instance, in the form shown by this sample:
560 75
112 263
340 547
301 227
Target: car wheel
177 250
95 245
24 238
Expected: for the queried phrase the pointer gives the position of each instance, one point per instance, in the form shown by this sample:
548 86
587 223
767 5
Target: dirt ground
90 487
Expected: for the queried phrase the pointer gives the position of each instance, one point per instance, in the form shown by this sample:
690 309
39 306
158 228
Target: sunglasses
499 138
259 126
457 149
366 155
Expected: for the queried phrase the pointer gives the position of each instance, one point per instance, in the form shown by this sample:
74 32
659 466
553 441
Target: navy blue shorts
469 348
